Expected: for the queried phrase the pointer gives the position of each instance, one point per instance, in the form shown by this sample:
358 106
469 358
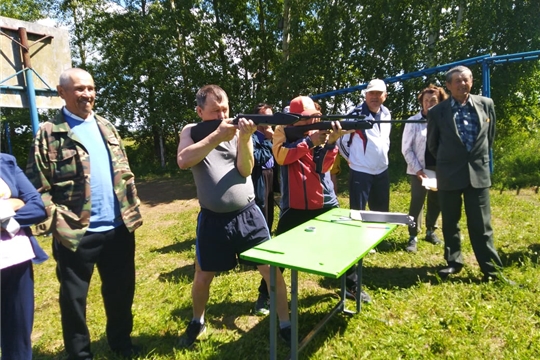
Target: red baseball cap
303 105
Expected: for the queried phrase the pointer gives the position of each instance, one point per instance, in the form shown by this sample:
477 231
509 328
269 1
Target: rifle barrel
294 133
277 118
334 116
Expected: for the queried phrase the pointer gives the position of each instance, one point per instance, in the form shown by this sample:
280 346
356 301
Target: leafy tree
27 10
150 57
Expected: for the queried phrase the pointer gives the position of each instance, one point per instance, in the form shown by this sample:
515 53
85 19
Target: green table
328 245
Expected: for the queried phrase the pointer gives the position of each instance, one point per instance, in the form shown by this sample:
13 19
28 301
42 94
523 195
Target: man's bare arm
245 160
190 153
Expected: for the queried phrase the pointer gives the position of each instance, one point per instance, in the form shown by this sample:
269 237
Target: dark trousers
367 190
478 212
416 207
289 219
268 207
276 181
113 252
17 311
371 190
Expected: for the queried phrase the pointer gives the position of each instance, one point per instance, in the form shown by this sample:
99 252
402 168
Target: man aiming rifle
306 188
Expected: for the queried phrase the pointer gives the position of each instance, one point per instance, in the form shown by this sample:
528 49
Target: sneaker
351 294
364 297
193 331
412 245
285 335
431 237
261 305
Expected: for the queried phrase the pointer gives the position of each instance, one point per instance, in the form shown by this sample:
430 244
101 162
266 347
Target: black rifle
294 133
205 128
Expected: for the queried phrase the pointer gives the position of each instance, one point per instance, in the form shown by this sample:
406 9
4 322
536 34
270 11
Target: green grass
413 315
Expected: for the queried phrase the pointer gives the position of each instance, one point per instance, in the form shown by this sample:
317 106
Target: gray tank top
220 187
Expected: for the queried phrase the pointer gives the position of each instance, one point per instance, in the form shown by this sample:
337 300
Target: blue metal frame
30 92
8 137
486 61
32 104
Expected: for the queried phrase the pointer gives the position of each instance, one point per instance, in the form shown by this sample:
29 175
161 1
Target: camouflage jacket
59 168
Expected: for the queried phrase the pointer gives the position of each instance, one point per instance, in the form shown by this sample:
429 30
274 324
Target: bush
517 162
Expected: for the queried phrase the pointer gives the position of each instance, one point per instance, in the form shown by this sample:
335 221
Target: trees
19 128
150 56
28 10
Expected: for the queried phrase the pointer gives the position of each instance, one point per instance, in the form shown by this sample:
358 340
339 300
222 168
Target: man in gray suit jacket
460 133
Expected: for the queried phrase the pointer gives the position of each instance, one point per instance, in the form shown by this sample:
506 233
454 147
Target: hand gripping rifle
205 128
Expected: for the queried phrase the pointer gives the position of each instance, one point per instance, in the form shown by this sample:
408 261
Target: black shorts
221 237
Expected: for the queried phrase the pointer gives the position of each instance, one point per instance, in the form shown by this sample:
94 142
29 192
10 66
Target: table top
327 245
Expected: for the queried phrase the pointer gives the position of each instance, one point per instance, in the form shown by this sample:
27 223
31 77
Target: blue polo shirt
105 213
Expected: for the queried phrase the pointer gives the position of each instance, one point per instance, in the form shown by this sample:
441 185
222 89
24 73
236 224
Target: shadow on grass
255 343
186 272
401 278
178 247
100 349
252 343
532 254
162 345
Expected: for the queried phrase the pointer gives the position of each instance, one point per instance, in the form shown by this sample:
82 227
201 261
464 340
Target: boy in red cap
307 190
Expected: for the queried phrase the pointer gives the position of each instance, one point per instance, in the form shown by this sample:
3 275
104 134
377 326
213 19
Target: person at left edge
79 165
20 207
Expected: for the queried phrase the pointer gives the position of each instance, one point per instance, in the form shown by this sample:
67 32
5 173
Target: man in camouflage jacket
79 165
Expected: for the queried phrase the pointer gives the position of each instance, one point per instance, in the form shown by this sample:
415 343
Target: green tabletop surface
327 245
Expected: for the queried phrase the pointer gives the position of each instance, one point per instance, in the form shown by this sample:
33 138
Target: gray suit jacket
456 167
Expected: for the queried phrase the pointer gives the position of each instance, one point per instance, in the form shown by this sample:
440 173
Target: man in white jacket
366 151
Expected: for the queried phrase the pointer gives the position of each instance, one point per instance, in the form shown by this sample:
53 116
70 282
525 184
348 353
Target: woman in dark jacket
20 207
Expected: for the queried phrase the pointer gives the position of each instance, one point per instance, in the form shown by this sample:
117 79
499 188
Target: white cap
376 85
286 109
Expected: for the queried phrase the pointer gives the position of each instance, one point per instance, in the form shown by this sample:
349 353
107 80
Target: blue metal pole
29 75
486 83
30 91
8 138
486 91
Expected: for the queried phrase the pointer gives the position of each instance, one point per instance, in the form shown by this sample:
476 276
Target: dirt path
166 196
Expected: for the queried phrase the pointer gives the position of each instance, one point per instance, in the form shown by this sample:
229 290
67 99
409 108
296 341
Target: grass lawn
413 314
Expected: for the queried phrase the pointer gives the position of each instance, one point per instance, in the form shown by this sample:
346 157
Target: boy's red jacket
305 177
